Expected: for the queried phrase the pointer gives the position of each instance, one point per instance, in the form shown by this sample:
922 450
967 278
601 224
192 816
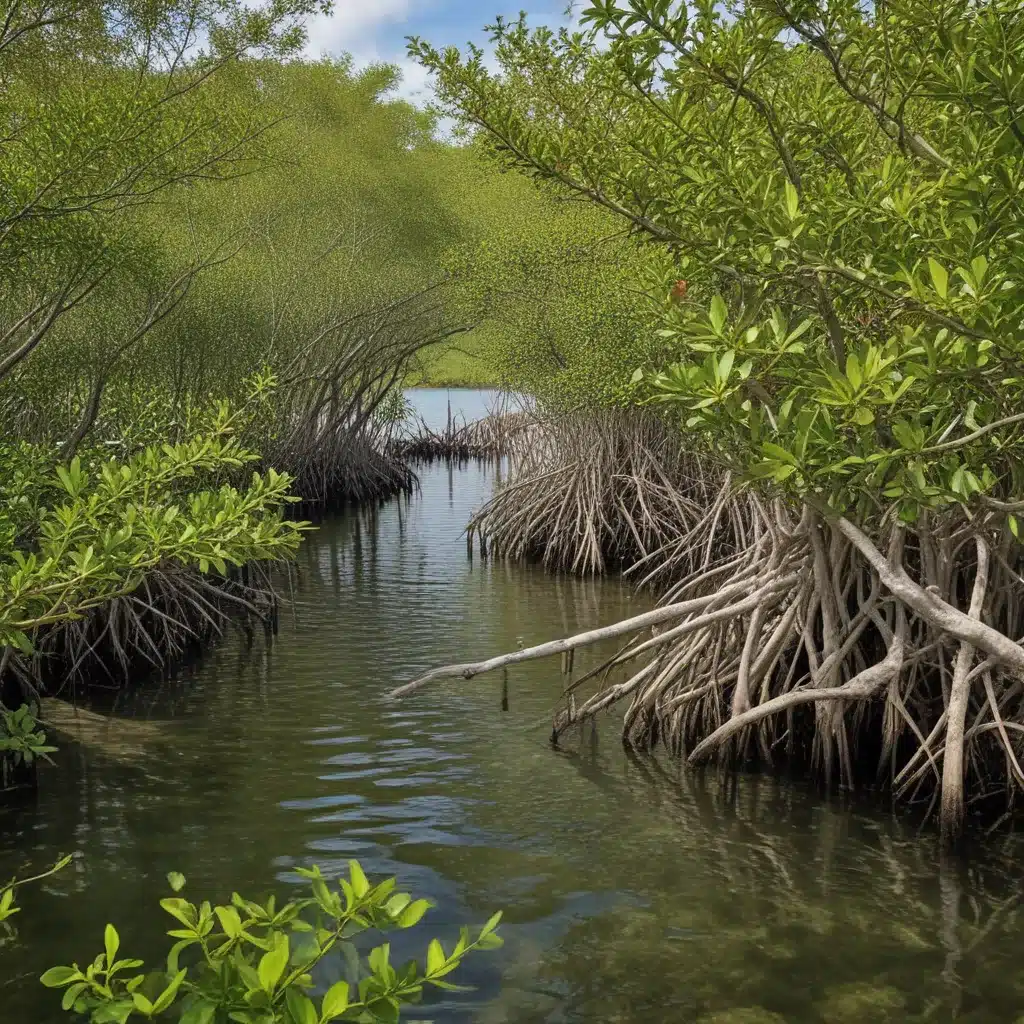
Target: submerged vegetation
829 201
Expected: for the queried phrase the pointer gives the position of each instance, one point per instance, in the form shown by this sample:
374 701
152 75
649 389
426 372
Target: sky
375 30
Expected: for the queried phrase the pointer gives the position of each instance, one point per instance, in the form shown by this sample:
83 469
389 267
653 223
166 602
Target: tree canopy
840 192
831 192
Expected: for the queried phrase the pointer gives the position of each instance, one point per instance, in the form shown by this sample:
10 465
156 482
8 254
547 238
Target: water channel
634 892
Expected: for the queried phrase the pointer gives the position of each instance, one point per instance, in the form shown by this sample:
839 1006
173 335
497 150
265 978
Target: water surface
634 892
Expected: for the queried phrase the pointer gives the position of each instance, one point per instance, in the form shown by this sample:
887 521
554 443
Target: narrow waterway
634 892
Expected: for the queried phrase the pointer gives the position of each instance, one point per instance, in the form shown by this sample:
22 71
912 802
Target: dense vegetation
218 263
766 285
831 201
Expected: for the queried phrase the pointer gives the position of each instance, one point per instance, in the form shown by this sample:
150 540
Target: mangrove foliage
828 200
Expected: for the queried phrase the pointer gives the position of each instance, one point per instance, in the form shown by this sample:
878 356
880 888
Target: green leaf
335 1001
176 880
175 953
230 922
790 344
717 314
56 977
412 914
904 434
111 942
181 910
360 886
449 986
397 903
492 923
21 640
1012 520
273 964
200 1012
792 201
385 1010
142 1004
853 374
725 365
940 278
436 958
300 1007
980 267
305 951
167 997
71 994
114 1013
776 452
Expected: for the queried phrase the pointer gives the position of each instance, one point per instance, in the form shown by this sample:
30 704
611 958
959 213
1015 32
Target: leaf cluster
21 742
252 962
839 190
91 530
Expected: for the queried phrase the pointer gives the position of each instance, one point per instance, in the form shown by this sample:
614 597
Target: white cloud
358 28
353 25
354 28
415 84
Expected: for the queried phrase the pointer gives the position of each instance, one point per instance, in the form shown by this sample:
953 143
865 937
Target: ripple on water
634 892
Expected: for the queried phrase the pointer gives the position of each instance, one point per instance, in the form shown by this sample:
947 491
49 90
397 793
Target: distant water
467 404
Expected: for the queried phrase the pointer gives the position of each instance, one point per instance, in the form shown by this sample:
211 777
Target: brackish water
634 892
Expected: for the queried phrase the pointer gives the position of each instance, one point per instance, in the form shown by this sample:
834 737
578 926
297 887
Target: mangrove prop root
151 629
951 812
816 642
589 490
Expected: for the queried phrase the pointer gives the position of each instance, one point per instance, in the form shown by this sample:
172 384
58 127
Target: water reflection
634 891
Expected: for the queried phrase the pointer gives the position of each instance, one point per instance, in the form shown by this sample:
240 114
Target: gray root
951 807
593 636
766 613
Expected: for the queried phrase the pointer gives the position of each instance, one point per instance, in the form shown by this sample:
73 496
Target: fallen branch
593 636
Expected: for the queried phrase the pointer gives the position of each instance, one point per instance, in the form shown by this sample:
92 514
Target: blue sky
376 29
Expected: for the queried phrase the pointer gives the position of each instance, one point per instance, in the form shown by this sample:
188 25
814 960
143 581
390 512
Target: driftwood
593 636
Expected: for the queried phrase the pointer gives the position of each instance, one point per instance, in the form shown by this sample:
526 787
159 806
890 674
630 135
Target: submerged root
810 643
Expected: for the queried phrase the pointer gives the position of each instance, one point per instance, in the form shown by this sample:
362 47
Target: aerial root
151 628
591 490
810 613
